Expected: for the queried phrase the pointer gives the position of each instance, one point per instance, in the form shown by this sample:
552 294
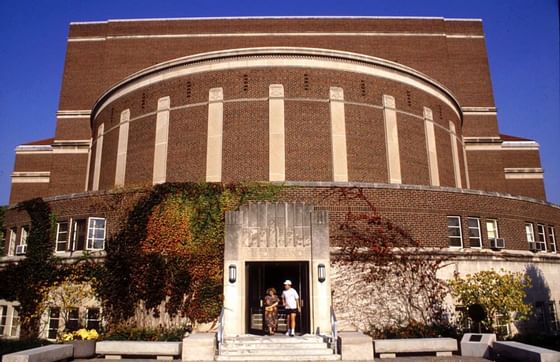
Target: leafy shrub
414 329
128 333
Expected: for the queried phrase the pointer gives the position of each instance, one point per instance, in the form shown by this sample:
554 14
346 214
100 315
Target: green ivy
188 284
24 280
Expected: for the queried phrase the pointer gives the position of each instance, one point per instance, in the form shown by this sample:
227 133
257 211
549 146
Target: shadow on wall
543 319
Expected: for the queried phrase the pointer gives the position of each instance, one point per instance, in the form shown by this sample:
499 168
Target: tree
500 294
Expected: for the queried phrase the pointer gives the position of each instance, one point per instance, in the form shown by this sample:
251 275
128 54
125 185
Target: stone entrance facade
273 232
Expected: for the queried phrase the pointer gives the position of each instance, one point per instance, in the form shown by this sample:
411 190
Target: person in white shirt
290 299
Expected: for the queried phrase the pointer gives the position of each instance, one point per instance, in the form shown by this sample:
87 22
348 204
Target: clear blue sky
521 37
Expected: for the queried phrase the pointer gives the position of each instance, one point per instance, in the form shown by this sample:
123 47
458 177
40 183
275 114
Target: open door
264 275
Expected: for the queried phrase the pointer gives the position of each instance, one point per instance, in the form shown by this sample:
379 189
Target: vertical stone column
431 146
320 255
466 163
98 154
338 135
455 155
162 134
276 131
122 147
86 183
215 134
392 139
234 293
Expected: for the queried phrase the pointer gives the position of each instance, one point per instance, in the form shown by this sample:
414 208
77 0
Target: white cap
288 282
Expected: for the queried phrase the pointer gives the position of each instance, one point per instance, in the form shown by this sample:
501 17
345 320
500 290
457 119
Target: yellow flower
68 337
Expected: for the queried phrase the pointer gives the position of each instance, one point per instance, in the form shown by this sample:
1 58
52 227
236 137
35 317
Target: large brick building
402 107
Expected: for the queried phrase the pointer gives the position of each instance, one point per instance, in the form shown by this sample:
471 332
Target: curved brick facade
307 119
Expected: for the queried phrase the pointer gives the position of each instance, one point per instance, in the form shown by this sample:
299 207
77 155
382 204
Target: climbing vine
23 281
385 282
170 251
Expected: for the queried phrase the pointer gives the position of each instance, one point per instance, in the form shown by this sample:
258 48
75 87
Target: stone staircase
276 348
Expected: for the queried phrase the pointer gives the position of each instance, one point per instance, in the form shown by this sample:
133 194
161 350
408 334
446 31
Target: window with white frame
21 248
541 237
79 234
54 323
14 332
475 239
529 233
12 241
93 318
96 234
454 231
552 239
24 235
492 229
62 233
3 318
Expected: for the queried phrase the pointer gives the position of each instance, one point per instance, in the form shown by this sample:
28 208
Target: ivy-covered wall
163 254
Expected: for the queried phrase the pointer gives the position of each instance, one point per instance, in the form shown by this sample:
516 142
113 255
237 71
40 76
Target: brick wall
421 211
245 127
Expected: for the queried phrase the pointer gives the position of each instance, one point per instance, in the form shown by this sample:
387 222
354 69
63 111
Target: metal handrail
334 332
220 334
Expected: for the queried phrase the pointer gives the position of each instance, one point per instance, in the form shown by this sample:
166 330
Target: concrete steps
276 348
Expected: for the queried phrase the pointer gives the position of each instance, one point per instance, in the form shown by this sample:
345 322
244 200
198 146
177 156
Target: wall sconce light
321 273
232 273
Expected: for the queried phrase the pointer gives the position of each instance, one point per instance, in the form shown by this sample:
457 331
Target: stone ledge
355 346
51 353
388 348
516 351
119 348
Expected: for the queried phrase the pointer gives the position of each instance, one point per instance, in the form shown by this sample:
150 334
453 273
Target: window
96 234
79 232
475 240
73 322
553 318
3 249
492 229
12 242
54 321
3 317
530 235
502 325
454 231
24 235
541 238
15 323
62 236
88 234
552 239
93 318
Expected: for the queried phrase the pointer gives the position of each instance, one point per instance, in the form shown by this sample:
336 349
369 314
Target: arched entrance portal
266 243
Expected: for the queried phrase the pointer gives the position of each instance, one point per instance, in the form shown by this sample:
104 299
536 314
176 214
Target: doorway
264 275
